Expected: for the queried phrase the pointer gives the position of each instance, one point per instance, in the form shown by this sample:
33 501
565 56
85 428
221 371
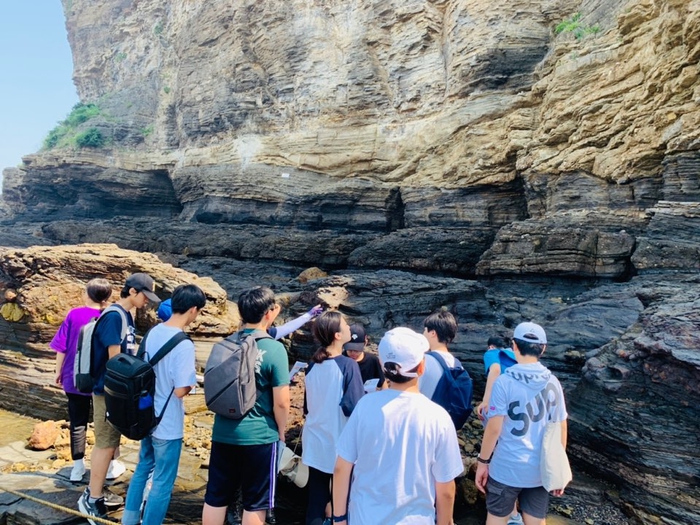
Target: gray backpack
229 376
82 366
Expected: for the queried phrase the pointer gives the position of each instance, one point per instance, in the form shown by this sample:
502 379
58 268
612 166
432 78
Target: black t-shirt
371 368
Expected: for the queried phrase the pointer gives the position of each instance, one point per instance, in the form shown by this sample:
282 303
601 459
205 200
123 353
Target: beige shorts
105 435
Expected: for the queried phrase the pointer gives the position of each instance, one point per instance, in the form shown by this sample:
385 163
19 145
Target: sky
36 68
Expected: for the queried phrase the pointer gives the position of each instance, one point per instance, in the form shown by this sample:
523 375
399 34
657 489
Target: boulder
50 281
44 435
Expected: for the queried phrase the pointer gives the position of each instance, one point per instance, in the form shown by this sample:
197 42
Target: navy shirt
108 333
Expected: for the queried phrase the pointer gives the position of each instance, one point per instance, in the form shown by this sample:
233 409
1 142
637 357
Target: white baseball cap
530 333
403 347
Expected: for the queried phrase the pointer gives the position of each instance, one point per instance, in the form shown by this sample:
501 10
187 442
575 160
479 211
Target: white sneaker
116 469
515 519
78 471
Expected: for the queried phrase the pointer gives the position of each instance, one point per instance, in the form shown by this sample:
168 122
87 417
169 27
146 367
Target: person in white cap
399 447
522 401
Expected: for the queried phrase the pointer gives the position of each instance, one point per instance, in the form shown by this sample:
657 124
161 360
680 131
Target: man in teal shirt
244 451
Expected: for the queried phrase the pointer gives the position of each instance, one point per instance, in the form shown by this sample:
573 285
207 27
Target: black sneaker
112 500
270 518
96 509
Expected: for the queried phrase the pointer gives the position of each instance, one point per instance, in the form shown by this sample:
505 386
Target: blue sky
36 68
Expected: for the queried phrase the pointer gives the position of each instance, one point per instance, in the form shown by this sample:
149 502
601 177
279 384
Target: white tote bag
554 463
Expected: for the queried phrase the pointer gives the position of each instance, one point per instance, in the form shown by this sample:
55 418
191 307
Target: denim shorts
500 500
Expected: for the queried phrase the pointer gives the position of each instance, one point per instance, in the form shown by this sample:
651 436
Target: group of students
377 448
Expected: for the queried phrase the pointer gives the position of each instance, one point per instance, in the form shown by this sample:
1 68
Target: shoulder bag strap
445 369
167 347
160 354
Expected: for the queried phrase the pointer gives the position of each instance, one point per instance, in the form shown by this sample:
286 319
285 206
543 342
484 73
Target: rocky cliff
507 160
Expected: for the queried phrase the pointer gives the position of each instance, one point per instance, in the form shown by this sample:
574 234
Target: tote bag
554 463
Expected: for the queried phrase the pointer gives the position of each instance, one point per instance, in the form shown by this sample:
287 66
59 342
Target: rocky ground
625 351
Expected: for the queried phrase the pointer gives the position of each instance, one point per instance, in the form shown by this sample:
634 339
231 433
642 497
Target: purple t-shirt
66 342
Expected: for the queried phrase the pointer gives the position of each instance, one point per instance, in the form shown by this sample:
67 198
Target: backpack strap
443 365
166 348
125 324
260 334
160 354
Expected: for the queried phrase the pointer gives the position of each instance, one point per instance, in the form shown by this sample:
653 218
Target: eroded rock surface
424 153
51 280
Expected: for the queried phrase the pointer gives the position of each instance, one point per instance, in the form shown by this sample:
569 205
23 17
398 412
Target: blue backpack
505 360
454 391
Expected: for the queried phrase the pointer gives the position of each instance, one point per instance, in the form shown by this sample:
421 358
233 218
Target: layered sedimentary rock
636 399
50 281
548 152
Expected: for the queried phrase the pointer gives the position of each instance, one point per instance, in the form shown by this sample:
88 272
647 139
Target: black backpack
454 391
129 389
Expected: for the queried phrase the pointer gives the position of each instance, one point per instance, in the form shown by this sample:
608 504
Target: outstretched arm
295 324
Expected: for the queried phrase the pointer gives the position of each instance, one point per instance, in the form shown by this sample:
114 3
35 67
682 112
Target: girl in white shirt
333 388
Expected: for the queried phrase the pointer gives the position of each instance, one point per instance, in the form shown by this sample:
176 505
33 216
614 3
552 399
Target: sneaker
515 519
270 518
96 509
112 500
116 469
78 472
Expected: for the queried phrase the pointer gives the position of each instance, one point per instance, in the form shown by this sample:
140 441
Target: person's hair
444 324
254 303
125 292
527 348
185 297
392 372
496 341
324 329
98 290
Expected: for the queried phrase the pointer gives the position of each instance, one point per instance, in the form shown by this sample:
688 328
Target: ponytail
324 329
320 355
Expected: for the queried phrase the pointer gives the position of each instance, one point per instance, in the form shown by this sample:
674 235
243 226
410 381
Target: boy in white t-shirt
175 376
399 447
440 329
522 401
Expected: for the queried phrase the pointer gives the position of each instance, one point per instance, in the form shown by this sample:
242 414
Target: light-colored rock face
449 92
338 87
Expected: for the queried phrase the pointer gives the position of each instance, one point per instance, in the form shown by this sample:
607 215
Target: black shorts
500 500
251 467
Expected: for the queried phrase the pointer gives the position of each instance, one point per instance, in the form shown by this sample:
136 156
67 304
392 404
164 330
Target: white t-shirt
427 383
401 444
528 396
177 369
333 389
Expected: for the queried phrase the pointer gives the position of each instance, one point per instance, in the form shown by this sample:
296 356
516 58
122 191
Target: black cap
357 338
142 282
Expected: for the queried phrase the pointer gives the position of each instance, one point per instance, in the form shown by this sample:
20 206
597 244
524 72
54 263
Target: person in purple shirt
65 343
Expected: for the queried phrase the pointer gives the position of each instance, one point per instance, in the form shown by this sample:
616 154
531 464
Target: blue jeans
160 456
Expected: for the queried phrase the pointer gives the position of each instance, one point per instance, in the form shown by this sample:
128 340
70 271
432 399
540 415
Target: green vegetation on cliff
66 133
574 26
